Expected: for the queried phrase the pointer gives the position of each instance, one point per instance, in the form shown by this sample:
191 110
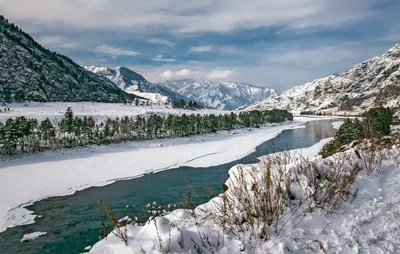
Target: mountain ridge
30 72
133 82
219 94
371 83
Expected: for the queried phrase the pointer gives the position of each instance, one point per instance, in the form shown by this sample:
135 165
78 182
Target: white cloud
220 74
311 57
160 42
182 16
184 73
200 49
392 35
92 61
159 58
114 51
56 41
69 45
319 56
50 40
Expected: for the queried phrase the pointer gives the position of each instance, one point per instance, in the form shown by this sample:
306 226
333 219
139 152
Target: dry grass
285 187
120 231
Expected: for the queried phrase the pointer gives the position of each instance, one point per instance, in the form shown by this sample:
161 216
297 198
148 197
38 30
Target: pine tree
68 123
47 130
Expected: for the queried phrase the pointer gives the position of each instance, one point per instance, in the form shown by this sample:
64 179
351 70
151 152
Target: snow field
99 111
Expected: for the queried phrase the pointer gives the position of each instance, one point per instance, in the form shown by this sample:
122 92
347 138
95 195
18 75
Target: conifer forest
27 135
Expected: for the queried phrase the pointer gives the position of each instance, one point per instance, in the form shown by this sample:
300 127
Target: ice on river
32 236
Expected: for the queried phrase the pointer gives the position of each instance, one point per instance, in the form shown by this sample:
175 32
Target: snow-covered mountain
219 94
135 83
375 82
29 72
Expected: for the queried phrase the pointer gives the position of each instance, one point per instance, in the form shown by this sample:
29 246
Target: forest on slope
29 72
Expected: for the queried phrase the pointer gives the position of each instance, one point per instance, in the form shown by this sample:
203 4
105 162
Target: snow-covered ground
370 223
154 97
337 124
56 110
66 171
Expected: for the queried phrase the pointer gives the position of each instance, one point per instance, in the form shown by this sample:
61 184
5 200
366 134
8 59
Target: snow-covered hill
29 72
219 94
375 82
135 83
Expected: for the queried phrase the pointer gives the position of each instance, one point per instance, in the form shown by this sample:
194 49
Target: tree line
375 123
183 104
28 135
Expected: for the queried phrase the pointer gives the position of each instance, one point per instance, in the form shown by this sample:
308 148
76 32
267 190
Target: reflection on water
72 222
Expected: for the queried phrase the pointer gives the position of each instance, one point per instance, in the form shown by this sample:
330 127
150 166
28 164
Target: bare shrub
118 230
252 203
285 187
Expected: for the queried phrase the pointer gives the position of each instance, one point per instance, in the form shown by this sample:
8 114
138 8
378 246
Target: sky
275 44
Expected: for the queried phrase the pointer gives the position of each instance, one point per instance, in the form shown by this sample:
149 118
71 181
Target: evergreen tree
67 124
47 129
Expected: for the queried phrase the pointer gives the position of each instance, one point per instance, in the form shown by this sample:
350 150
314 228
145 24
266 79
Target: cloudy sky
277 44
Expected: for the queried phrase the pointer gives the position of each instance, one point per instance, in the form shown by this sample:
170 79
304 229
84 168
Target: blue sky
276 44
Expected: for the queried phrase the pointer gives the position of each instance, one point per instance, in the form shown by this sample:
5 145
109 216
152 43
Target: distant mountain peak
393 53
219 94
121 76
133 82
128 73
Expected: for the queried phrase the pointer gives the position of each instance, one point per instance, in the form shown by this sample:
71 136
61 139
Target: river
72 222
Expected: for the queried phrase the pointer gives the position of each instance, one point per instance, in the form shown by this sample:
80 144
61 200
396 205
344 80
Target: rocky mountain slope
135 83
375 82
219 94
29 72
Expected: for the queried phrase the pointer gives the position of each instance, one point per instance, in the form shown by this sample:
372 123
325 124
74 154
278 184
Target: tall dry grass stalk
120 231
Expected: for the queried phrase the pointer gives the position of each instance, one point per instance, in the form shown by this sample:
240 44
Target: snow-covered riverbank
31 178
369 223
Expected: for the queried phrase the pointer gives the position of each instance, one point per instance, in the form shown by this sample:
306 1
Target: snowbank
66 171
337 124
370 223
32 236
